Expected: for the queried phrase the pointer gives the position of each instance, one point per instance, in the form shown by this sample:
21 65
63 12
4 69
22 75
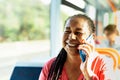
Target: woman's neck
111 43
74 61
72 67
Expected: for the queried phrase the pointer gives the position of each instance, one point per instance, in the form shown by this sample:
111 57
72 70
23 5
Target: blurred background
31 30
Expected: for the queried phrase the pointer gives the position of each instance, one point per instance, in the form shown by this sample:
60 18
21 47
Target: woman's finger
91 46
85 46
83 65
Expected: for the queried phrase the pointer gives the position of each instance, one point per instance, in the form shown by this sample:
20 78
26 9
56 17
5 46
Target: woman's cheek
81 39
65 37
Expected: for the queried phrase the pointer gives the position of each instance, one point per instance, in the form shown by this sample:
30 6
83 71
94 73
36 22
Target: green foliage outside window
23 20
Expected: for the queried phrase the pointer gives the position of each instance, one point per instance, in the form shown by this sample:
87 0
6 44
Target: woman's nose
73 36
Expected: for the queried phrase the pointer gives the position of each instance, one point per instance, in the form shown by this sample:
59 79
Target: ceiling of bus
105 5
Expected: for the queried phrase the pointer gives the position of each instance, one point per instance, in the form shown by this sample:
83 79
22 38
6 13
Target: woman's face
110 36
76 30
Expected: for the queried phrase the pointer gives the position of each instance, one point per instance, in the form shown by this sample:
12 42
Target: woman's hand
86 66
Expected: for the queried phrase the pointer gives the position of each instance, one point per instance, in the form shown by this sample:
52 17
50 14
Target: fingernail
78 47
83 41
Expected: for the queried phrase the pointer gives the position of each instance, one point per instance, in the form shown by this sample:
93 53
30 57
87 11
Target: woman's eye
78 33
67 31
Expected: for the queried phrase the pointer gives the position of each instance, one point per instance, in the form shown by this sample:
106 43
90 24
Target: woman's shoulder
102 58
98 59
45 70
101 62
105 66
49 63
50 60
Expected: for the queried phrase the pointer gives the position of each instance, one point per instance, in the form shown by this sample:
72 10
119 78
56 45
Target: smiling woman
68 65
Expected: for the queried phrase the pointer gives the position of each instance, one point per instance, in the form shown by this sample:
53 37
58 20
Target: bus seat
111 53
26 71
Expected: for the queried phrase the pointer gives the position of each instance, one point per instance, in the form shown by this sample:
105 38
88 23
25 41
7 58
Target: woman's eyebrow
78 29
68 28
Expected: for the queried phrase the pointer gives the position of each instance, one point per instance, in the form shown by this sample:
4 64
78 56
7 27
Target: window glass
24 32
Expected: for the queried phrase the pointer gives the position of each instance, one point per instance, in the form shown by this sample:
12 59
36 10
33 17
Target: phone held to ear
81 52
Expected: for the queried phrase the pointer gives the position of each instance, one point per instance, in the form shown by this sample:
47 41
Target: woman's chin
71 50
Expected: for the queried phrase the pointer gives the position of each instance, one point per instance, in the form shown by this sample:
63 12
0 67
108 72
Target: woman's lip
72 45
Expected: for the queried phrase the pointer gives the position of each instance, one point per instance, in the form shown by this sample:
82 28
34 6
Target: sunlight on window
24 32
79 3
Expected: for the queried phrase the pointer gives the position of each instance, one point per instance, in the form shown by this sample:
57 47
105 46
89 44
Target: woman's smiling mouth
72 45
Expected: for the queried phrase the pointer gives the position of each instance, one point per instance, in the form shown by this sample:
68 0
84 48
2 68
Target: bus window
24 33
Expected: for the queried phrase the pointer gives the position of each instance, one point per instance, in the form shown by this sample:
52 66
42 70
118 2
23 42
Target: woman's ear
94 36
117 32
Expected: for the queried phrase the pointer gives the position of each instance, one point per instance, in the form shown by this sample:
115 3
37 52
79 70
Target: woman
111 32
68 64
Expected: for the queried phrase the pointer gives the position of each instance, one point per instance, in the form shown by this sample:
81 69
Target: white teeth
71 44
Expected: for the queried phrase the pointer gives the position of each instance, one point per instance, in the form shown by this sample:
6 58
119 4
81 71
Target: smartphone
81 52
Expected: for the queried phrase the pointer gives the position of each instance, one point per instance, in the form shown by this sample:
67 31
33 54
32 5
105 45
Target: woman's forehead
77 23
